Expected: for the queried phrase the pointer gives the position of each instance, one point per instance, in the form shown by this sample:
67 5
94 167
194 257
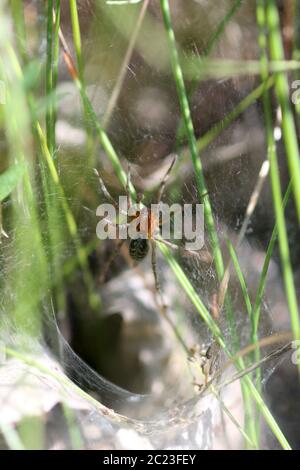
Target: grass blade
283 96
263 20
10 178
185 110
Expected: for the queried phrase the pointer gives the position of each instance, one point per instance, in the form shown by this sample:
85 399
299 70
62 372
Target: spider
148 225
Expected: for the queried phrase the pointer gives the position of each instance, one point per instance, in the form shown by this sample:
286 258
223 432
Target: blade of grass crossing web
49 79
185 110
57 239
196 160
222 25
283 95
55 235
80 67
18 16
241 278
265 268
264 20
55 56
29 283
211 44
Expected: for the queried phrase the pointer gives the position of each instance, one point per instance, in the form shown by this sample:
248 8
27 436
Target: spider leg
113 224
104 189
204 256
139 198
161 303
109 261
164 181
107 193
156 280
169 244
176 247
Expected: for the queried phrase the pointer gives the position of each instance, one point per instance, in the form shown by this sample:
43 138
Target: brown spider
148 226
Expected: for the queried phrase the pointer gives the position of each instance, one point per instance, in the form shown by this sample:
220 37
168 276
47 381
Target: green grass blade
50 127
263 20
220 126
80 67
222 25
28 284
11 436
18 15
211 44
265 268
123 70
94 298
185 110
10 178
241 278
77 37
216 130
56 49
283 96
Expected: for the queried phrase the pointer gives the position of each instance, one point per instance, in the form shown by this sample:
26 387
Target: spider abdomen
138 248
